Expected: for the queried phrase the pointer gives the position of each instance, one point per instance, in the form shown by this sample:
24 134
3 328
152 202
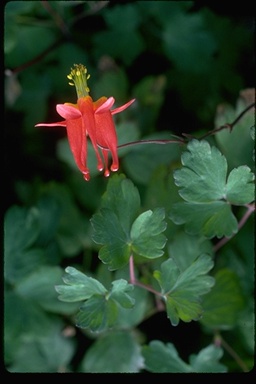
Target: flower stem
138 283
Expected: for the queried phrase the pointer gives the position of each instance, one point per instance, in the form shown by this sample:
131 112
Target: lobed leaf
182 289
80 287
207 360
203 175
100 312
117 227
208 193
164 358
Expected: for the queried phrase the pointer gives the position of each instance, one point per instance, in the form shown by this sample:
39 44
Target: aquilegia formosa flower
89 118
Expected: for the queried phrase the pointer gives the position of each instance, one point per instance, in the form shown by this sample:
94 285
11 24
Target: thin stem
153 141
138 283
224 240
131 267
9 72
147 287
232 353
229 126
56 17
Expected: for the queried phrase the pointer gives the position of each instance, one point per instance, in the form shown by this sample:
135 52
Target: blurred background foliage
181 60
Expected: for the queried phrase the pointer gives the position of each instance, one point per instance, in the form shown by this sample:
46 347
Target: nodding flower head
88 118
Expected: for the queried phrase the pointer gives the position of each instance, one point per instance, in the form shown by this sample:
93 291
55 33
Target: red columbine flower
89 118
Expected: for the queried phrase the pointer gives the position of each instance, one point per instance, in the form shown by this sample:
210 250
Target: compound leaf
121 231
208 192
100 310
112 224
182 290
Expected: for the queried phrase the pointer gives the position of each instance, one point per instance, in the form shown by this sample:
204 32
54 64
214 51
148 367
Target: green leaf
23 319
207 360
203 175
123 198
123 40
39 287
207 193
119 293
101 312
188 43
97 314
21 256
23 225
49 354
223 304
146 233
182 290
208 219
184 249
80 287
107 230
164 358
114 352
240 187
112 224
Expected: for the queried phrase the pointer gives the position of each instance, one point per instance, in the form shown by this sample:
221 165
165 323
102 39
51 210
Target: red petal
85 105
107 138
122 108
78 144
106 105
68 111
58 124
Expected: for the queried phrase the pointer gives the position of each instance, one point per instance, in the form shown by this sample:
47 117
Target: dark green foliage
89 266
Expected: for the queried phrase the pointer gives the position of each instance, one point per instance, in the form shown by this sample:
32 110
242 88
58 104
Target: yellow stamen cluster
79 77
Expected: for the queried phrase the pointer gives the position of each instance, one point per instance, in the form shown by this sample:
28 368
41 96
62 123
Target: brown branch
9 72
56 17
153 141
229 126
